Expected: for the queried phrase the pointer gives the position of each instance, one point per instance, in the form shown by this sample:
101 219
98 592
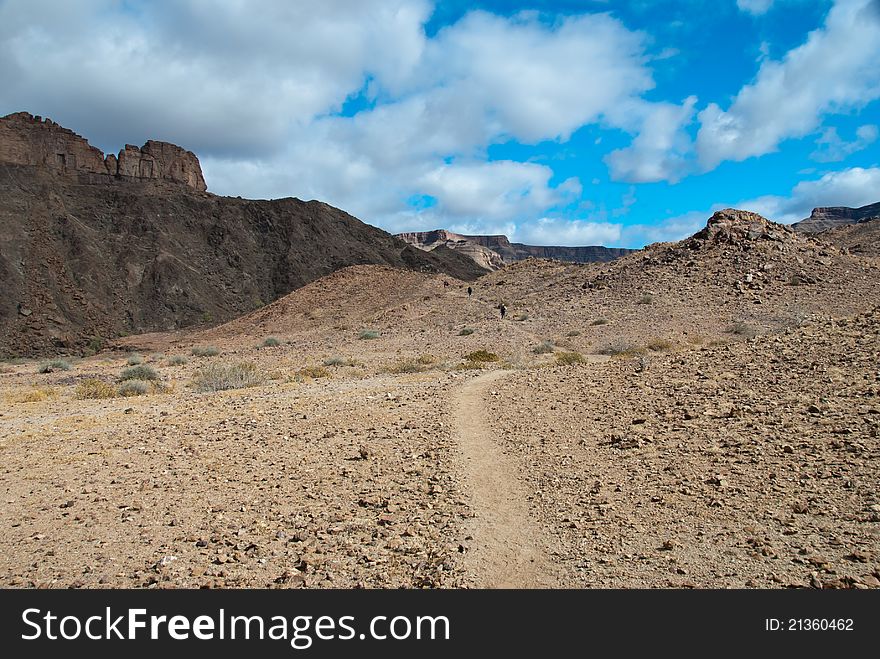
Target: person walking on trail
470 290
503 310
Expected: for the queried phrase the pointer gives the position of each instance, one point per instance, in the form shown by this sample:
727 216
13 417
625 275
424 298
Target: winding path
505 552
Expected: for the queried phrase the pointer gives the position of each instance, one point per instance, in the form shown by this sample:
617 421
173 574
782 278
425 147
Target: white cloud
754 7
219 78
535 82
660 150
257 95
831 148
833 71
555 231
670 229
853 187
493 190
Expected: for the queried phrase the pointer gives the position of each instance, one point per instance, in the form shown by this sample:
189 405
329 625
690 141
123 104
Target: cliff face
86 254
430 240
29 140
829 217
494 252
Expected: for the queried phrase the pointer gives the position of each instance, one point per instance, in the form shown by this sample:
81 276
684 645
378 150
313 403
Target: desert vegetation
224 376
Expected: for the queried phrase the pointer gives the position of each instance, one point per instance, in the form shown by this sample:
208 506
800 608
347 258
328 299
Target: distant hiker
470 290
503 310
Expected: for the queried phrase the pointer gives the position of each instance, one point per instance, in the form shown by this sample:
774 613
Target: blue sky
616 123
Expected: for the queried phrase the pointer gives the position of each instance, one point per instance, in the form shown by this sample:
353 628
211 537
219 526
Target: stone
29 140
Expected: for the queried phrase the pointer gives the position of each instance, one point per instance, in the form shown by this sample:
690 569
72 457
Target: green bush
134 359
466 331
600 321
54 365
205 351
177 360
138 373
368 334
270 342
219 377
646 298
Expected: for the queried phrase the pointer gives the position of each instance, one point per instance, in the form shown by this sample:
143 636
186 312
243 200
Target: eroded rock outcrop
496 251
822 219
31 140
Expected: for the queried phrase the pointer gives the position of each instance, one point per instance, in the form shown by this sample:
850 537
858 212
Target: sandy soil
728 443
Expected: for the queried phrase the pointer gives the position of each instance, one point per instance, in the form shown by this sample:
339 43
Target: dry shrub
33 396
569 358
220 377
138 373
94 389
479 356
134 388
313 372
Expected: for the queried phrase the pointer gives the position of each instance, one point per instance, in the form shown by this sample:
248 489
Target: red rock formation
30 140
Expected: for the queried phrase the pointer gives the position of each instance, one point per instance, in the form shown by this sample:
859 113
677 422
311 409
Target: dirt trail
506 553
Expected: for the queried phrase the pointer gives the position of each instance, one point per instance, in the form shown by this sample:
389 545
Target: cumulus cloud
493 190
834 70
535 82
832 148
667 230
754 7
222 79
556 231
258 95
853 187
660 151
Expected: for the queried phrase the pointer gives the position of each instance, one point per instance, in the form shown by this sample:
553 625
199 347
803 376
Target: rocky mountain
822 219
863 237
440 238
493 252
93 247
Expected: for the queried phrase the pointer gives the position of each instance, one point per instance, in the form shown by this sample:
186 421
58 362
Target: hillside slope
87 255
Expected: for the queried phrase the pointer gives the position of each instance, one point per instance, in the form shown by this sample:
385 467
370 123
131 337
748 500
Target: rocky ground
701 414
746 465
337 483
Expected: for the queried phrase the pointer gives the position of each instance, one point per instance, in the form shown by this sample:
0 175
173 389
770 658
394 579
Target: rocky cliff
822 219
493 252
31 140
431 240
87 255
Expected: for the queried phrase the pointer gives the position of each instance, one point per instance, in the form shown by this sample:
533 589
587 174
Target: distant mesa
822 219
26 139
494 252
